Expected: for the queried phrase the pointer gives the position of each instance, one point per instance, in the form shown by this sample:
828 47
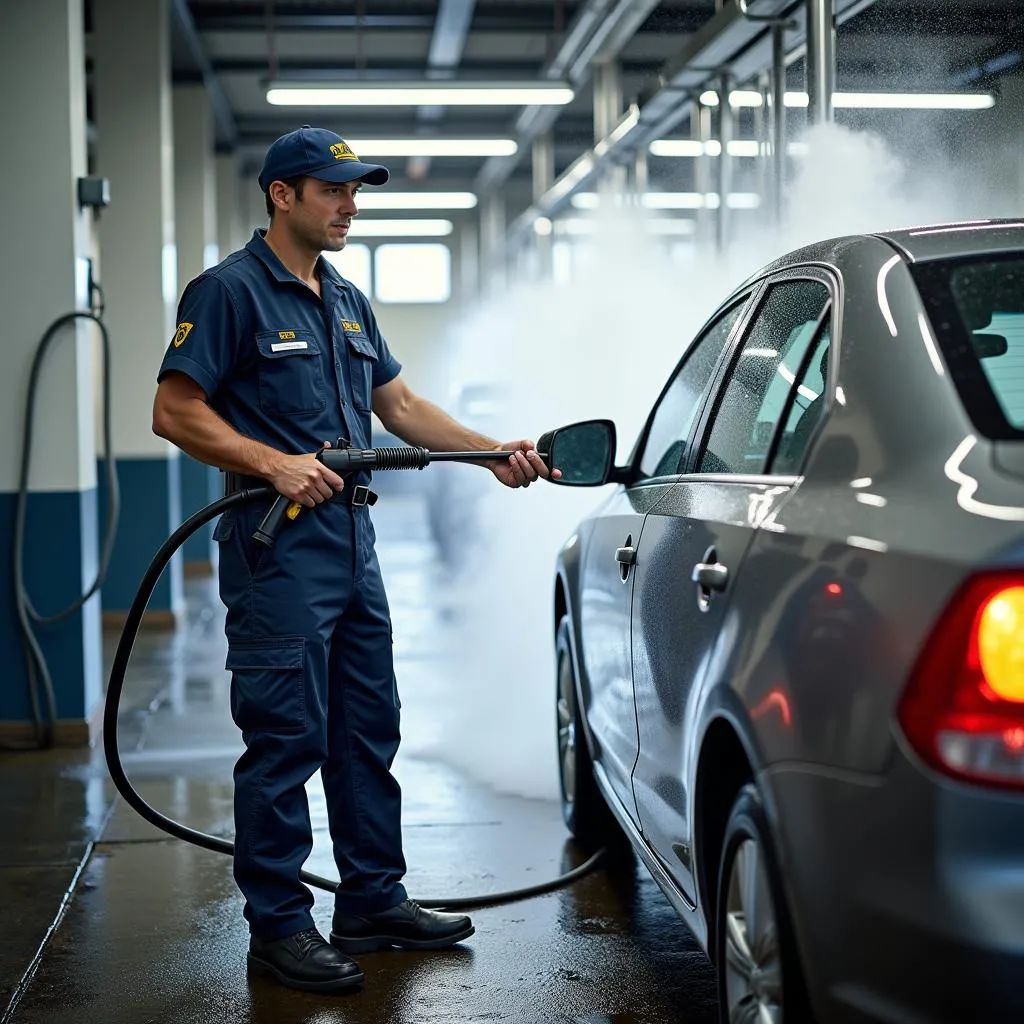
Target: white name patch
288 346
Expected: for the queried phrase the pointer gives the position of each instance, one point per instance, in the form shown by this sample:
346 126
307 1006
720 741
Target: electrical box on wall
94 193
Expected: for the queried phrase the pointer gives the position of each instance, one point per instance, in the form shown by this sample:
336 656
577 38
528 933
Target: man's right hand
305 479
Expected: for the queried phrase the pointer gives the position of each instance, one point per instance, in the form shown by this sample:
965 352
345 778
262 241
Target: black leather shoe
407 926
304 961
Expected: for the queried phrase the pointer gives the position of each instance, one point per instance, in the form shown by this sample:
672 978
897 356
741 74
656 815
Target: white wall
420 336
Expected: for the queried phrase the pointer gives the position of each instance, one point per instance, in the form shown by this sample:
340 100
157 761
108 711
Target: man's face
321 219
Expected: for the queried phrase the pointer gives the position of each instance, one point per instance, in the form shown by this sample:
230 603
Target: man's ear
281 195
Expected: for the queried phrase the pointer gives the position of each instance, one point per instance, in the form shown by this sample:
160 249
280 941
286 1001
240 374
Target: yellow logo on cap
341 151
181 334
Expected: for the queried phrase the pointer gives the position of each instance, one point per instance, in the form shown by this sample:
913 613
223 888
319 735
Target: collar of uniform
257 245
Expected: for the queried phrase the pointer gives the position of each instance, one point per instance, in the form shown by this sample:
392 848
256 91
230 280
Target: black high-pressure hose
115 685
35 663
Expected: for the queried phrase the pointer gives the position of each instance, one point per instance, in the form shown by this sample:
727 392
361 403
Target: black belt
356 496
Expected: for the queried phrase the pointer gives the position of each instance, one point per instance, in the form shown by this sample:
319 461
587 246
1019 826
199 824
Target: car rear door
694 540
606 588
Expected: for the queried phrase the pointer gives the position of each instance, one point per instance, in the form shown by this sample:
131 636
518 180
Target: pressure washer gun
345 460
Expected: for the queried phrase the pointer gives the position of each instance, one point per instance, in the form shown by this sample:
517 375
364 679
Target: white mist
603 346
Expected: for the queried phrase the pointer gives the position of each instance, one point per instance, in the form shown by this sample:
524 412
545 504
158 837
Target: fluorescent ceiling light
914 100
676 200
368 200
407 94
867 100
433 147
738 147
400 228
580 226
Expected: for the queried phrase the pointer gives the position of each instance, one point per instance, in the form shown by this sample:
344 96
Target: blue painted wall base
200 484
150 511
62 538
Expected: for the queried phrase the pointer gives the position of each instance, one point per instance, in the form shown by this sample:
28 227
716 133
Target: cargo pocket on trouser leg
268 683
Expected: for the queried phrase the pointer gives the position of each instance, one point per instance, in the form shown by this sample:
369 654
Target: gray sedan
791 638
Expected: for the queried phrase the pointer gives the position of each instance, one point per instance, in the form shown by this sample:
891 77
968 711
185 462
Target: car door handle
710 575
625 556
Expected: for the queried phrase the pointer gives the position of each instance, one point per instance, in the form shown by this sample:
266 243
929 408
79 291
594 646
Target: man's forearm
197 430
420 422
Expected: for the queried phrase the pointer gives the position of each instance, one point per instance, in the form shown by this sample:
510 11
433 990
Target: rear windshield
977 309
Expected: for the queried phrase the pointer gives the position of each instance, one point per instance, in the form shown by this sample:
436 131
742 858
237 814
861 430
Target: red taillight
963 709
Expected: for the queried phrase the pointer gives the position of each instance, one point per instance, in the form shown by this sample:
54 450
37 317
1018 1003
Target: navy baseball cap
316 153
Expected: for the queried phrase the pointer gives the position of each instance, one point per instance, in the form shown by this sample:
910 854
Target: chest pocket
362 357
290 373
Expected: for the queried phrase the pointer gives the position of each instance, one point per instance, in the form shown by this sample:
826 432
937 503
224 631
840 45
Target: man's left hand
524 465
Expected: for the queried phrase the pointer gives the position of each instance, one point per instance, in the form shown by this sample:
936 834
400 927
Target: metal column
607 98
543 178
778 119
821 60
607 111
725 133
492 245
639 177
700 131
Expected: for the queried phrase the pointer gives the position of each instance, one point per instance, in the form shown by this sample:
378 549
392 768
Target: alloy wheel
753 961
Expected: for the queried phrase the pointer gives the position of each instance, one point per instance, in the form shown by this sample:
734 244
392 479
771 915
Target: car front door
613 549
694 541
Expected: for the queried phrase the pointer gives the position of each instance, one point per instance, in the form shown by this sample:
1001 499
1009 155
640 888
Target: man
275 354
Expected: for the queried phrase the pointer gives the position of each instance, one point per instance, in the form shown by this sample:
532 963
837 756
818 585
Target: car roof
915 245
963 238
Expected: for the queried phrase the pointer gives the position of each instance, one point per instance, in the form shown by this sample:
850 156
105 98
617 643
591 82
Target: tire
584 811
758 981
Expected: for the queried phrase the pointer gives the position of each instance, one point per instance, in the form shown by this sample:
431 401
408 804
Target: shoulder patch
181 334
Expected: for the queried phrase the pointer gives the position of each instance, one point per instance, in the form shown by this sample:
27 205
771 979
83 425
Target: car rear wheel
759 976
583 809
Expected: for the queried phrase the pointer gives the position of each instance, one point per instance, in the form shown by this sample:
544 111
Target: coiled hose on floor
123 654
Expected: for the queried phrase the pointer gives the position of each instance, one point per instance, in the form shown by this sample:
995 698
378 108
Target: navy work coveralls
308 625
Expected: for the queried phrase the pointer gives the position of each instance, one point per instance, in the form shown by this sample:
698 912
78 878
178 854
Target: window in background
353 263
417 272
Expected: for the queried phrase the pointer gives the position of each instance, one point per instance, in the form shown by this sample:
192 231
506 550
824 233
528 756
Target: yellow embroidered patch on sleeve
181 334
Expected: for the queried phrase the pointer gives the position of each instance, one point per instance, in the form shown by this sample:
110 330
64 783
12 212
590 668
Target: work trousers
312 688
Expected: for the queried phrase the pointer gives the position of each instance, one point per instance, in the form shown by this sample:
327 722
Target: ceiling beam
450 31
728 41
599 30
251 17
446 47
224 120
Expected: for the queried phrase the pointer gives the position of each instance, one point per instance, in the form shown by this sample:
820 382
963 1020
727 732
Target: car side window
753 400
807 408
674 414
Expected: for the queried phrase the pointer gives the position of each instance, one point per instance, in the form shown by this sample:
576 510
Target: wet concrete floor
107 919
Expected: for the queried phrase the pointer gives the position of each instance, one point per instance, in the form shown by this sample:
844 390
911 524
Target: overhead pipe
732 39
600 29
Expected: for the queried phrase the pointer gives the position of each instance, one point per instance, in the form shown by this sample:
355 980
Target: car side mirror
583 452
986 346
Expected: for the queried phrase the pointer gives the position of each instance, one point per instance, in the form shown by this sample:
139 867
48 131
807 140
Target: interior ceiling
892 44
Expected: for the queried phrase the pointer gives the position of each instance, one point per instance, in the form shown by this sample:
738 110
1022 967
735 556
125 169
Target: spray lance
342 460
